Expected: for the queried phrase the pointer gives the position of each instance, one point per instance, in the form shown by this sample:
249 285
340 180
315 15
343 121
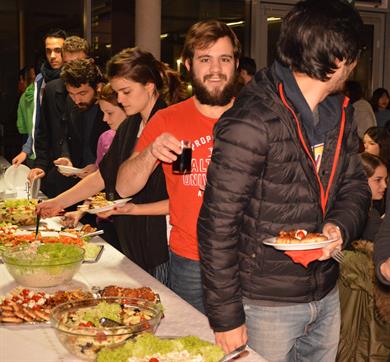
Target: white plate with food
112 204
298 240
69 170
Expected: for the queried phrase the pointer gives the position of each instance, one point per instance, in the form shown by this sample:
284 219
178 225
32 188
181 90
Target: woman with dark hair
144 85
377 142
376 171
380 102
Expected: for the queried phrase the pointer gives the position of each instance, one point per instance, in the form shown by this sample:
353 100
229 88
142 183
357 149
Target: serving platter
40 299
16 236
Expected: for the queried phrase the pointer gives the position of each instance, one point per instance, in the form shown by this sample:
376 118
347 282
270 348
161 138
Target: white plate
16 177
119 202
50 234
297 246
69 170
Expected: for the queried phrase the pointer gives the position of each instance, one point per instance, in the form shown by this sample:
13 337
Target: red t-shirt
185 122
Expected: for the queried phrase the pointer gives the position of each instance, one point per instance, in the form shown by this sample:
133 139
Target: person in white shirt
363 113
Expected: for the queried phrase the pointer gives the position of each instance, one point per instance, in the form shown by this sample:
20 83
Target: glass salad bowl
39 265
85 327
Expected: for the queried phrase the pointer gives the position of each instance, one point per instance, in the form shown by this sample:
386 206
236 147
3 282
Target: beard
84 106
216 97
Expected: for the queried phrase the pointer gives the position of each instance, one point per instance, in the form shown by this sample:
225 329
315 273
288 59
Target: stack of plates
15 180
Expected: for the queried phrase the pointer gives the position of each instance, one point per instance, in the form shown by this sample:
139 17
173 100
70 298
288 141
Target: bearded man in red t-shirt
211 52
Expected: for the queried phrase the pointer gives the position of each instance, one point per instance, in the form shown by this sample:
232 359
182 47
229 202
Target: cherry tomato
36 297
300 234
25 291
154 360
86 324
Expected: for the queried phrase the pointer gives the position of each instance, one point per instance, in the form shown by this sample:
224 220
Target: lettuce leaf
147 344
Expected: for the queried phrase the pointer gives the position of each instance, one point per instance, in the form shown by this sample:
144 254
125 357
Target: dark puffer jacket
261 180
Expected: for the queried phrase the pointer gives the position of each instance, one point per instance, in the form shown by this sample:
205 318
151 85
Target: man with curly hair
82 124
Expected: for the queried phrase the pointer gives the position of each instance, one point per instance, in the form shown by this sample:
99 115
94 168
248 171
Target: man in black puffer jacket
285 157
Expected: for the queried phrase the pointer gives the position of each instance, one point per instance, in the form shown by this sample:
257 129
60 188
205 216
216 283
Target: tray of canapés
12 235
33 306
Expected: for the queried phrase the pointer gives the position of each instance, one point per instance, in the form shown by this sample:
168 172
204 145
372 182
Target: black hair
317 33
379 92
381 136
55 33
248 64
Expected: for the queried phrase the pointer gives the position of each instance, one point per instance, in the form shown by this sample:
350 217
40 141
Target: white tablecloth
32 343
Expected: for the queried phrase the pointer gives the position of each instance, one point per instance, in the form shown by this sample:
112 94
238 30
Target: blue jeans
186 281
304 332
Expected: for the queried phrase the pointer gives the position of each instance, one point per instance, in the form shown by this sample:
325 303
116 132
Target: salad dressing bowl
39 265
81 329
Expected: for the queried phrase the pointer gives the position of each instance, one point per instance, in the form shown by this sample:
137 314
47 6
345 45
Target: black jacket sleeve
352 199
238 158
382 243
50 140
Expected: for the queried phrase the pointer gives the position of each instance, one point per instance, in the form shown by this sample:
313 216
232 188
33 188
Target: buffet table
38 343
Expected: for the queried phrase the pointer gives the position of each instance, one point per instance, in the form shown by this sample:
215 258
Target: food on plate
22 305
43 265
99 200
85 229
147 348
63 296
18 211
80 327
7 228
140 293
299 236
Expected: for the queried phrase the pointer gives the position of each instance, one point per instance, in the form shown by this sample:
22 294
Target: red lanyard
324 195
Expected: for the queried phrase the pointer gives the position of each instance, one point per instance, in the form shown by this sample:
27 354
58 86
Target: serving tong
107 322
37 223
235 354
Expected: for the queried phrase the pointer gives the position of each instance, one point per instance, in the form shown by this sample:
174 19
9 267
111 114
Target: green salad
94 314
19 202
147 345
37 253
